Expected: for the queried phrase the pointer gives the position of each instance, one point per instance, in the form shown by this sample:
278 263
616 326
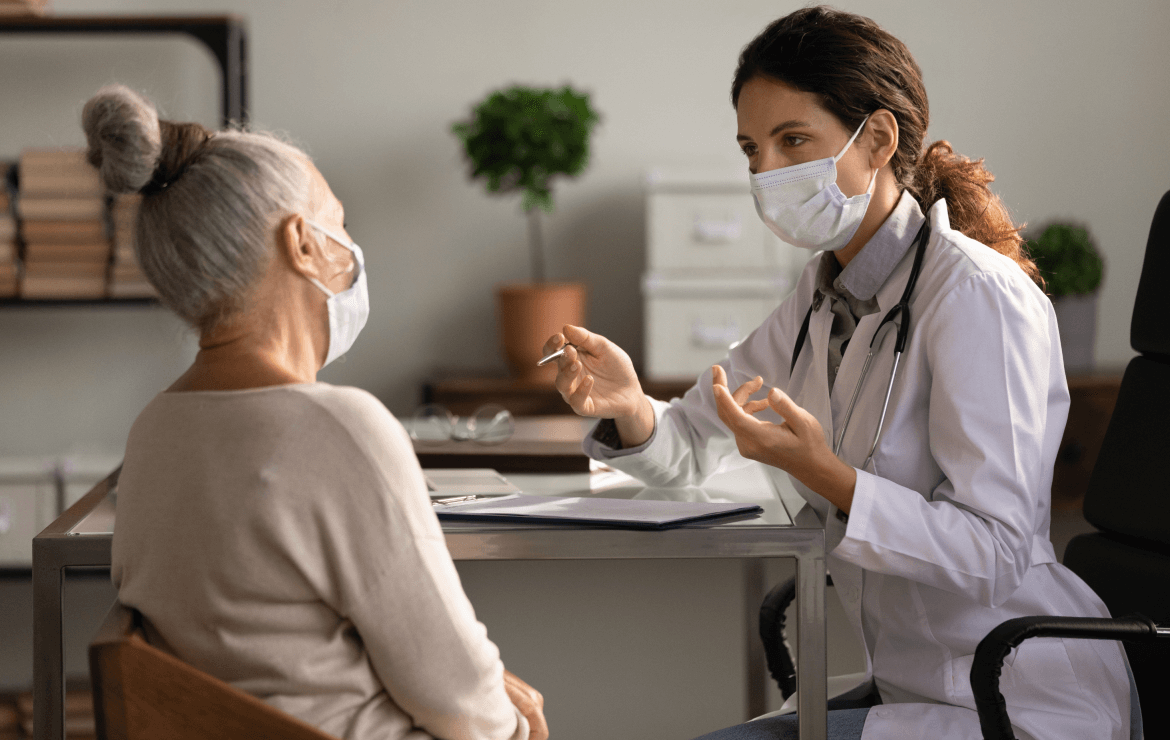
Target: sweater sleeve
990 354
395 582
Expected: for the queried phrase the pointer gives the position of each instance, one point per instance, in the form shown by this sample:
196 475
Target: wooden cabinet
1091 402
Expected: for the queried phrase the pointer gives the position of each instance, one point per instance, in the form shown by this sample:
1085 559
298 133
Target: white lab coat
948 533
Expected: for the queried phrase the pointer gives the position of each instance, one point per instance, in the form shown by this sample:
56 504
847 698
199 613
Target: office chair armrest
772 608
989 656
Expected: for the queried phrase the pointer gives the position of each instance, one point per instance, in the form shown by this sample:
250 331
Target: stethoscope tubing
901 309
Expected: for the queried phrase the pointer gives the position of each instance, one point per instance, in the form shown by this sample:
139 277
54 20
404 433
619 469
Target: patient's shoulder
360 415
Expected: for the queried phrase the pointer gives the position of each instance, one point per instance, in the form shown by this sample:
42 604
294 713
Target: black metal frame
989 656
226 36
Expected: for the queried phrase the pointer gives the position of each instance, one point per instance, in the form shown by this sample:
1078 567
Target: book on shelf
95 251
79 713
7 227
127 271
25 7
57 268
61 209
132 289
9 280
7 252
62 287
59 173
63 232
82 181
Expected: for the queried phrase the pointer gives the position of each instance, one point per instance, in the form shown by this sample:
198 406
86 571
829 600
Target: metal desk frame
54 550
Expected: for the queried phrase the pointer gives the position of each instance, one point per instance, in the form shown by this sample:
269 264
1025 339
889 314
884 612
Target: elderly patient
275 531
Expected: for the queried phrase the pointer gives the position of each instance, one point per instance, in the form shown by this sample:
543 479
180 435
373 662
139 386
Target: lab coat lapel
815 395
809 388
862 425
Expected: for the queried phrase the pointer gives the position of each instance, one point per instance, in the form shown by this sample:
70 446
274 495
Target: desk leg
48 651
811 679
757 664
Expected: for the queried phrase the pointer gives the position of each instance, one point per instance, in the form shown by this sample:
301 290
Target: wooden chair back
141 692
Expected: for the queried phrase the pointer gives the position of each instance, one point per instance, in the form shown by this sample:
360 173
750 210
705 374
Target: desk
776 534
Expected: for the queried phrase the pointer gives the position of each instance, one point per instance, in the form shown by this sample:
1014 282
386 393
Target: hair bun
122 130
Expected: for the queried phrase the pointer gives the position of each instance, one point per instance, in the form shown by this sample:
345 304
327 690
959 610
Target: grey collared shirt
852 291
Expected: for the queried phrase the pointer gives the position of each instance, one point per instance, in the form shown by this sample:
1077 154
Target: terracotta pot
529 314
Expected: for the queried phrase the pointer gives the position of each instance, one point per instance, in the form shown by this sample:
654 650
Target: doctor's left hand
796 446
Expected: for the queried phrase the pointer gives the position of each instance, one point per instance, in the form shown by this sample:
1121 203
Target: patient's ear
297 246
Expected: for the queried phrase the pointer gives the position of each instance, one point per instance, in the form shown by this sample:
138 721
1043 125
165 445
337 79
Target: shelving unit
224 35
226 38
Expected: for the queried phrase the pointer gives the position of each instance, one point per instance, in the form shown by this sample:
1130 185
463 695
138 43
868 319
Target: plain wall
1066 100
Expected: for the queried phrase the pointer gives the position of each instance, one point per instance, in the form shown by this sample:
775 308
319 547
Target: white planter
1076 315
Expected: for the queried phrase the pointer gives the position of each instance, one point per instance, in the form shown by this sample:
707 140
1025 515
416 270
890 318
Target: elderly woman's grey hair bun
124 137
132 148
211 202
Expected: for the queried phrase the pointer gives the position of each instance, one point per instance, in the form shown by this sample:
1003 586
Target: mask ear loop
337 238
850 142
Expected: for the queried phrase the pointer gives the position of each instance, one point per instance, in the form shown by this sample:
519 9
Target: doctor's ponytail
855 67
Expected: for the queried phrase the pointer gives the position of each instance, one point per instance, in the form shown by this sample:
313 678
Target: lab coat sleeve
690 443
393 579
989 352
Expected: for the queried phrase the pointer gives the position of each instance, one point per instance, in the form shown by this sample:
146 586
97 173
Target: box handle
714 336
717 230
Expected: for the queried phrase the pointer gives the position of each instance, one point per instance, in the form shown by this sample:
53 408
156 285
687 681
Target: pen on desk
549 358
454 500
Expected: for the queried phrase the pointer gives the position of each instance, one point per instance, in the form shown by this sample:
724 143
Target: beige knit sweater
282 539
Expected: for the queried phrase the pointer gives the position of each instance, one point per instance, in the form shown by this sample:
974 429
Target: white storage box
80 473
692 322
28 504
708 222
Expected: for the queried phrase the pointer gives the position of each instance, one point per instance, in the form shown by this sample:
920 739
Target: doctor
912 388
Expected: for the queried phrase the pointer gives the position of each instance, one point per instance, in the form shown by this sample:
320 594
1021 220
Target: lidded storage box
28 504
714 271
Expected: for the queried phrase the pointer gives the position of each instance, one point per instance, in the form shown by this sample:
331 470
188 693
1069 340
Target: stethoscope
902 309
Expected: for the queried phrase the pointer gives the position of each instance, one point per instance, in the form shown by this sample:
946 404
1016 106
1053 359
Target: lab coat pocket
1040 660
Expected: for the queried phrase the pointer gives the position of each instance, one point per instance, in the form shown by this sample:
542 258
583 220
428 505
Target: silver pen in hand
549 358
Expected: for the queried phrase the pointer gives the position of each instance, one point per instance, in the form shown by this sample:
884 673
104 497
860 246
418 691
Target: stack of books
62 207
79 717
24 7
126 278
8 271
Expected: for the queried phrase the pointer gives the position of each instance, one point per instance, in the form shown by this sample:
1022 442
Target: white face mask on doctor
349 309
804 207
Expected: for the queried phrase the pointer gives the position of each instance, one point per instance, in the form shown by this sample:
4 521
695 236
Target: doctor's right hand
597 379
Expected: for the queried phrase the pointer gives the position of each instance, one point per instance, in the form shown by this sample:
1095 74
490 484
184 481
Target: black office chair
1128 561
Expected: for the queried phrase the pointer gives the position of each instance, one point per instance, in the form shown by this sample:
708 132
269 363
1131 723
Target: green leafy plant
519 139
1068 259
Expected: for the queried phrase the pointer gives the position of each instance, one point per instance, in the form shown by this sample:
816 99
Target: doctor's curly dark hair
855 67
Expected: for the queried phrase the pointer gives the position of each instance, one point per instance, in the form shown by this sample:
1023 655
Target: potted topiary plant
1072 269
519 139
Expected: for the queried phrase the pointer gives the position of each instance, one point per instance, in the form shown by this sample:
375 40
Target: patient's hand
530 703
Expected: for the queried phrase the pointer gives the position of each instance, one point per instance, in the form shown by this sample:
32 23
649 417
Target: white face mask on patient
349 309
803 205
